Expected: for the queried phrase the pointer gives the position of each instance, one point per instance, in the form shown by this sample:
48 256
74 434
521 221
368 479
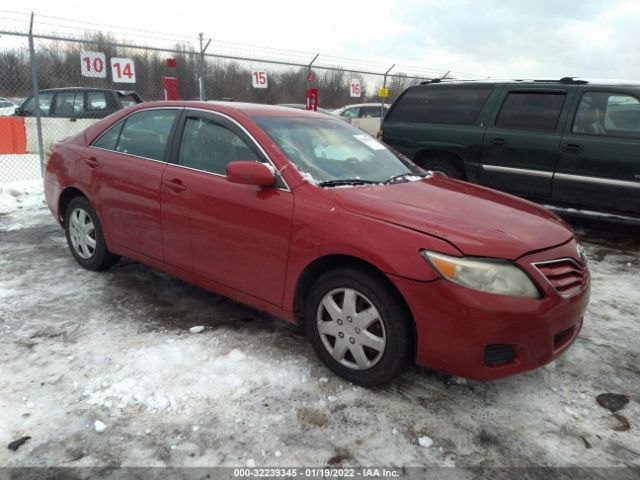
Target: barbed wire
79 29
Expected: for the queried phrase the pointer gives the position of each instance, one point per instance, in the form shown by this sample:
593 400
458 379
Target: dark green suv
568 142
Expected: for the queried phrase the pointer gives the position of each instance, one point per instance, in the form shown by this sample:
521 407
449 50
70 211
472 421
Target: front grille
565 275
498 354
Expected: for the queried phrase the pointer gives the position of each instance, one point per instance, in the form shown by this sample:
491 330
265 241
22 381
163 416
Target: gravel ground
84 352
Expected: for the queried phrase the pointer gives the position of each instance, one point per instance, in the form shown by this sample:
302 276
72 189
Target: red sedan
312 220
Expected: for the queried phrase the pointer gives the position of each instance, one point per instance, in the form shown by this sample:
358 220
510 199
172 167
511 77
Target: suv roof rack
566 80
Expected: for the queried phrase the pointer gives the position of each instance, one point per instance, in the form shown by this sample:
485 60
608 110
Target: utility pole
203 66
36 96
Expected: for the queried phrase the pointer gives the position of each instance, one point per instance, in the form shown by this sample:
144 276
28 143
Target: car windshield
332 151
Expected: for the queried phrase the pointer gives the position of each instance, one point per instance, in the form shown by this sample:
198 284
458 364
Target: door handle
572 148
91 161
175 185
499 141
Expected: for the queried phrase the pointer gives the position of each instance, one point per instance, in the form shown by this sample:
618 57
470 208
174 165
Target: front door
236 235
520 146
599 163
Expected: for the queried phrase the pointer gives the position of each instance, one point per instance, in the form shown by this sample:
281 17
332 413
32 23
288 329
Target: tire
382 360
445 167
85 237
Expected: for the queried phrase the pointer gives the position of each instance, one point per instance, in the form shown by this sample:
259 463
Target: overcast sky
500 39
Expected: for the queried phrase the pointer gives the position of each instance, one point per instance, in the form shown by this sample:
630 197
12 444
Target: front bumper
459 330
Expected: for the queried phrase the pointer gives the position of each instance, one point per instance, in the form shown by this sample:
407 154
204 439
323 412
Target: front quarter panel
321 228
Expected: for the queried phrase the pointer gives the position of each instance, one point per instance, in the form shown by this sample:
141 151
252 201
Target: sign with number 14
123 70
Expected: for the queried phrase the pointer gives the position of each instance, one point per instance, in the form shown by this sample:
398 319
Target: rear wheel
443 166
85 237
359 327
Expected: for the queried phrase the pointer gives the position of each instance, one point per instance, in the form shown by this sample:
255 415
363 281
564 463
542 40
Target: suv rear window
531 110
448 105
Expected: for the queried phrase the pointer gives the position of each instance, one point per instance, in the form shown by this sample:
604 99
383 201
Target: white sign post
93 64
123 70
259 79
355 90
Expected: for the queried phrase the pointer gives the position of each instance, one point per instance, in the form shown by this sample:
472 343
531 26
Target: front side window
447 105
531 111
109 139
45 105
145 134
604 113
351 112
209 146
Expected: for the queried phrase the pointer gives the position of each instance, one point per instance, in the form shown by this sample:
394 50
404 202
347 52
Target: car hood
476 220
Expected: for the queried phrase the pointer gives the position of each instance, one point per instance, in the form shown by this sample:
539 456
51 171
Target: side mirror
18 112
250 172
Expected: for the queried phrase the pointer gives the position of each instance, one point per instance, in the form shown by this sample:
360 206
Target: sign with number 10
355 89
93 64
259 79
123 70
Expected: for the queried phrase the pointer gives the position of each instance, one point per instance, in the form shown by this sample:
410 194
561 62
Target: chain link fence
100 70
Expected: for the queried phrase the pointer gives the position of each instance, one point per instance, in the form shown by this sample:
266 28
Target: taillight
380 134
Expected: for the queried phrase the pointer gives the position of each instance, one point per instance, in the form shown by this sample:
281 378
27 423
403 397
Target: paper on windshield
370 142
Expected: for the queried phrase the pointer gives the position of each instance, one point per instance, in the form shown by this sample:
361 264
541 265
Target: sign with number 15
259 79
123 70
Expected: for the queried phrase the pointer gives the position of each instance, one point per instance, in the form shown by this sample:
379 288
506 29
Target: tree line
58 65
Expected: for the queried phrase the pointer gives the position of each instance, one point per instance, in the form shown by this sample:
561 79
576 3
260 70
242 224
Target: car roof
562 82
370 104
87 89
248 109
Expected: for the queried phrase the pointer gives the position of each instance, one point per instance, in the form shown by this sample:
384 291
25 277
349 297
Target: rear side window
531 111
96 101
64 104
366 112
146 133
448 105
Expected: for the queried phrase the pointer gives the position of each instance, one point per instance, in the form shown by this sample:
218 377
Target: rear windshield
129 99
448 105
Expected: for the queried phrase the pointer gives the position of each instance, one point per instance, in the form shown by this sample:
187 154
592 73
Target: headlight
494 276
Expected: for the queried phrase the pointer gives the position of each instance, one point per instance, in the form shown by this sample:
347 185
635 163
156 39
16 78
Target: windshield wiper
403 176
346 181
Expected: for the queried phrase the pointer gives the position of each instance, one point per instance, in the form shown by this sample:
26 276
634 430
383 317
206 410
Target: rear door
122 171
520 147
236 235
599 163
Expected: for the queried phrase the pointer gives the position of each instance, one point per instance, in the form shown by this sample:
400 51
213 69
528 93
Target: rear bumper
484 336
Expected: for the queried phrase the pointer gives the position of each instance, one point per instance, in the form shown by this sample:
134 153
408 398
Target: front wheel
359 327
85 237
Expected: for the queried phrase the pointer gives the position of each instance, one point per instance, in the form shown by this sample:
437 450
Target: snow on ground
101 369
